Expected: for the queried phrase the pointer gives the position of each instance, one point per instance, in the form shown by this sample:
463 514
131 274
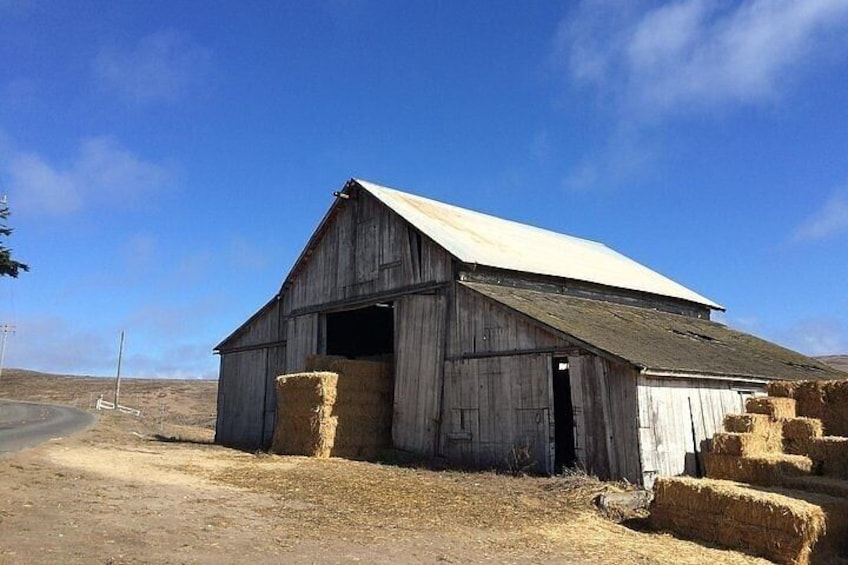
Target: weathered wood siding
245 391
498 411
364 250
301 340
498 398
478 326
419 352
275 366
262 328
241 399
603 396
677 414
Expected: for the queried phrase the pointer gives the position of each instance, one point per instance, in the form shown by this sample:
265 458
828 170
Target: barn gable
362 251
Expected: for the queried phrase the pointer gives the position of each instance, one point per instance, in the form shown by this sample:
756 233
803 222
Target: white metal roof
473 237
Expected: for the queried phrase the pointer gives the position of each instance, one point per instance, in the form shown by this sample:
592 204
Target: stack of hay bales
305 423
364 404
827 403
343 408
751 450
824 400
799 512
778 525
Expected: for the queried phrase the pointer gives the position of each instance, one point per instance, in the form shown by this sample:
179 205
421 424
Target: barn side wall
677 414
249 362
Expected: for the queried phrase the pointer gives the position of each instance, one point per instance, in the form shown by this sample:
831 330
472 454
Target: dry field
837 361
154 490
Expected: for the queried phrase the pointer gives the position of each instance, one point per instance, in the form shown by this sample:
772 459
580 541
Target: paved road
26 424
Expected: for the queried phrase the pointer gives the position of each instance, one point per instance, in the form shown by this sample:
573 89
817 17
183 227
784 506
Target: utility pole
118 376
5 328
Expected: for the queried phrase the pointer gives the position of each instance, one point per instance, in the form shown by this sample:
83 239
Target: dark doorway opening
363 333
564 455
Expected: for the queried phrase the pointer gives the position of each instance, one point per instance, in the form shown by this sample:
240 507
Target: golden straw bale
311 388
802 428
305 424
741 444
824 485
835 417
810 398
825 400
830 455
775 407
761 425
747 423
364 405
766 469
798 432
784 389
776 525
355 374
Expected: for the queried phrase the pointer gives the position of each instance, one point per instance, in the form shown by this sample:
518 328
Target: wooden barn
511 345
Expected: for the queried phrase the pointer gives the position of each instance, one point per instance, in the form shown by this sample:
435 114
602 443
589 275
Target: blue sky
165 162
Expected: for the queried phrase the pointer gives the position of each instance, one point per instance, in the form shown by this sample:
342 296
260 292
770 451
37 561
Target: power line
6 329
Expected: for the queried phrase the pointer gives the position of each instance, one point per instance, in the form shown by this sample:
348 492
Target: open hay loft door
364 333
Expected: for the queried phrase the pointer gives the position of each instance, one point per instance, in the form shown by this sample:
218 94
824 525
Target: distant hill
836 361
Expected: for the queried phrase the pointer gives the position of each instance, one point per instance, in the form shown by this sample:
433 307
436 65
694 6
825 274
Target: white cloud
162 67
655 59
830 221
103 171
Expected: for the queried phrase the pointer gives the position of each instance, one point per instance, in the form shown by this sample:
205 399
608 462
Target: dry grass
836 361
267 508
172 409
526 516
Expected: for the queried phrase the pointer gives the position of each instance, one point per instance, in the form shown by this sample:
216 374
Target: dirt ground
153 489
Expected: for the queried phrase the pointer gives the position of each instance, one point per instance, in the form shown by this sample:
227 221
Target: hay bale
777 408
830 455
777 525
748 423
835 418
783 389
355 374
825 400
739 444
823 485
798 432
364 405
305 424
766 469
